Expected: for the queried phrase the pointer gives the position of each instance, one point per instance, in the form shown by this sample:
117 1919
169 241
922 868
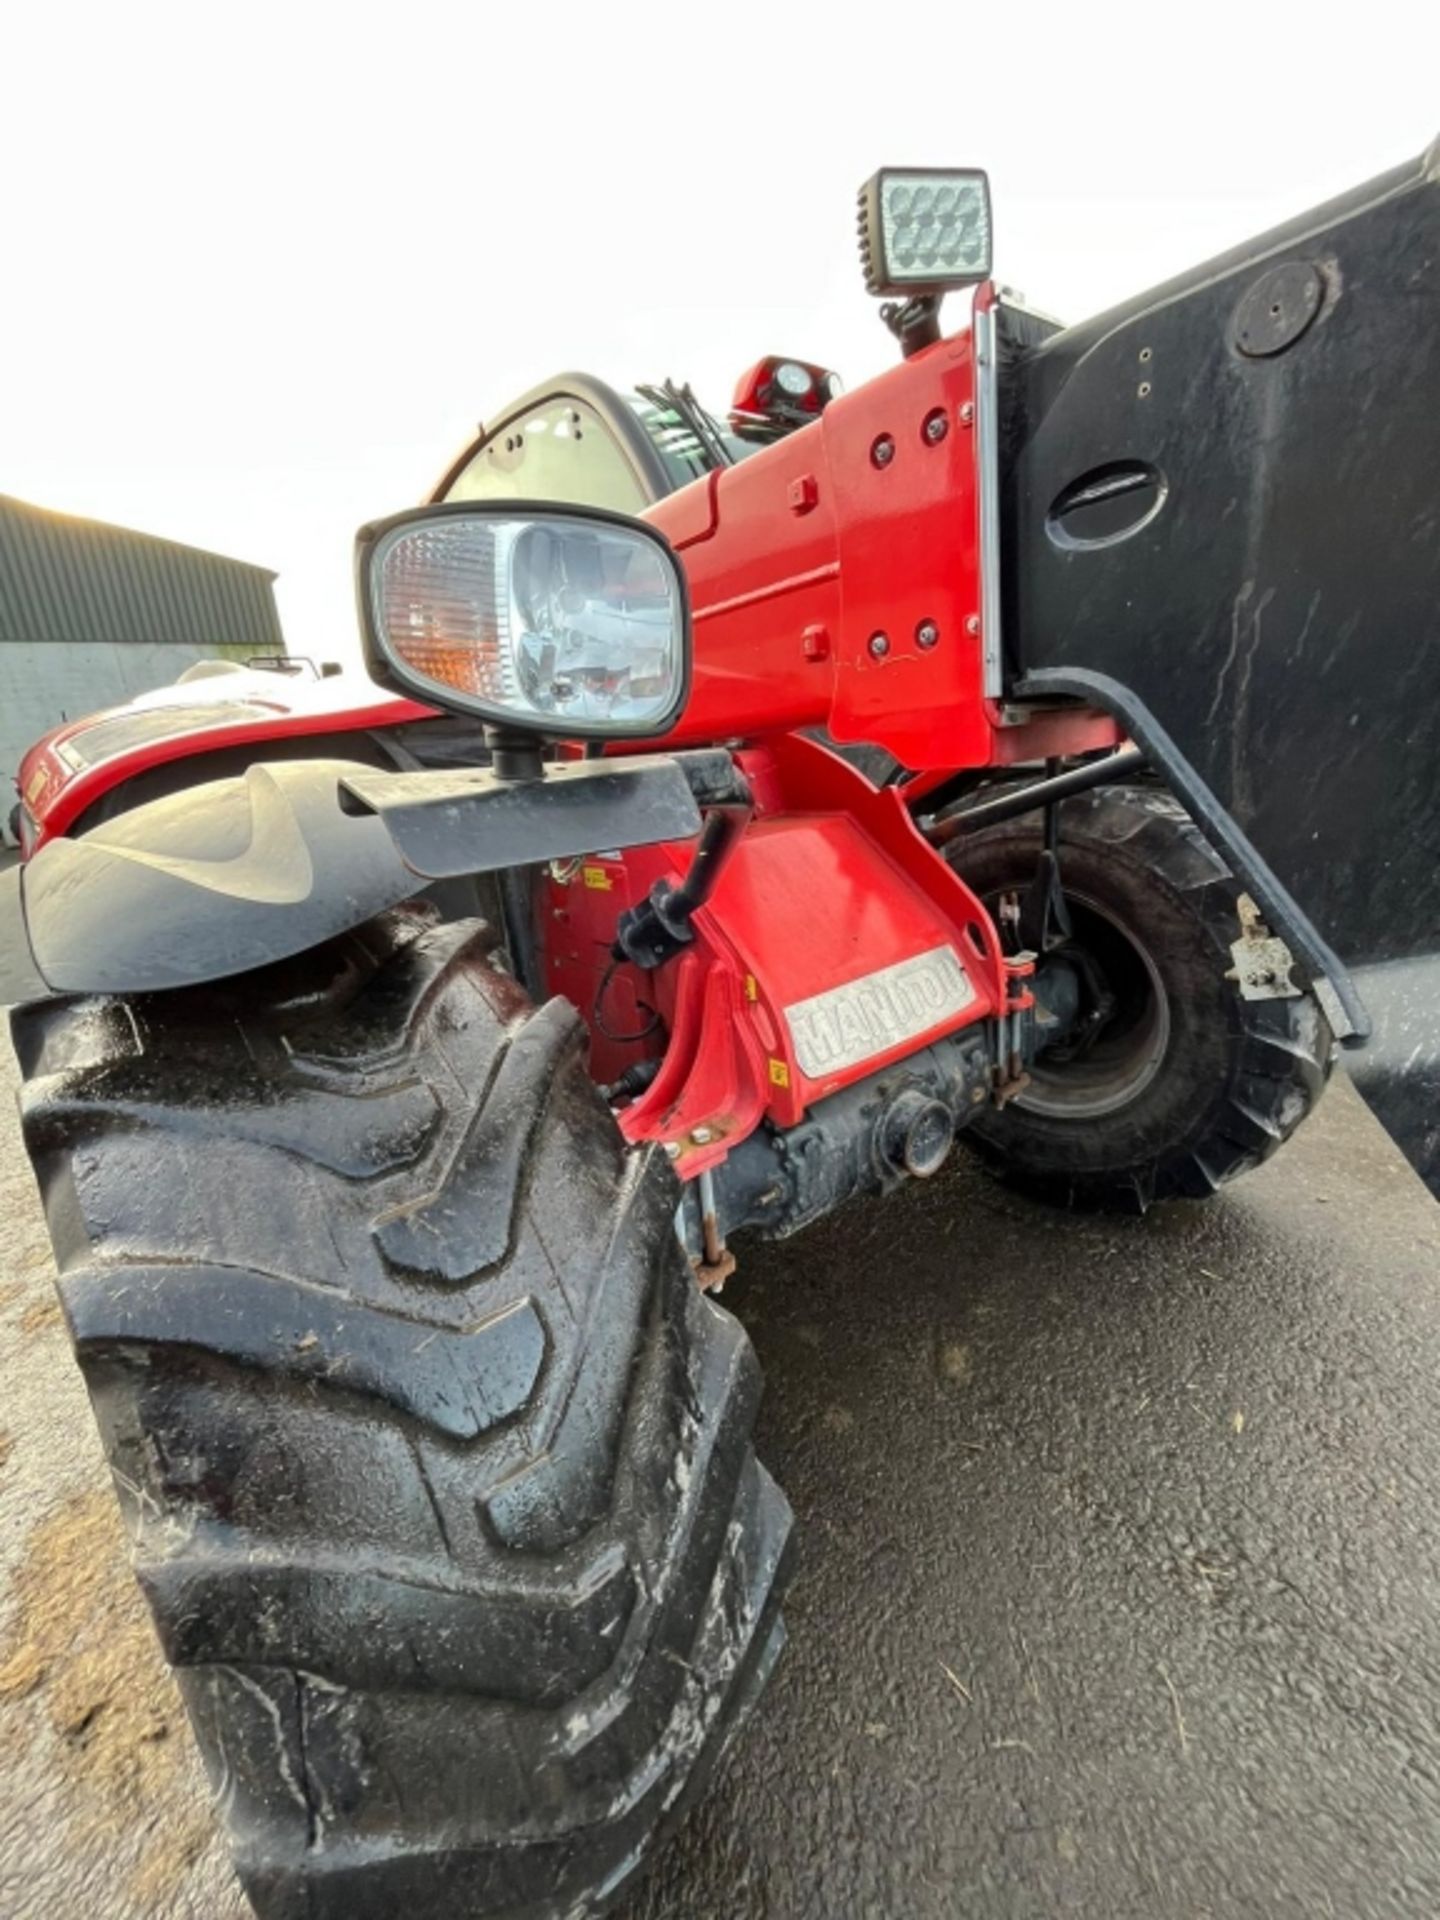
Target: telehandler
1037 746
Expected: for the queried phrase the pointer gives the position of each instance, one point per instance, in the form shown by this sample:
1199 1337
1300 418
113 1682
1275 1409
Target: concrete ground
1121 1555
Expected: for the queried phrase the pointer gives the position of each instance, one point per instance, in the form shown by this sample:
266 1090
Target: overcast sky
264 267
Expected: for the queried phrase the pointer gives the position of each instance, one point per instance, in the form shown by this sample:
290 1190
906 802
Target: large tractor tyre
436 1462
1185 1083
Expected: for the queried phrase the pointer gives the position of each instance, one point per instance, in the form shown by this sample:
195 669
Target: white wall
43 684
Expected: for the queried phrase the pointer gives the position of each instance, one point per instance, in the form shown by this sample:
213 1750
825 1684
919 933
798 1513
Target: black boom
1224 497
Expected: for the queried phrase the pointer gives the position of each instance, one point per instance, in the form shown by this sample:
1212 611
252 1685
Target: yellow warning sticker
779 1073
752 990
597 878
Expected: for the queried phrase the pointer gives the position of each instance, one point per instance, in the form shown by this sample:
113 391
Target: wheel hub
1120 1042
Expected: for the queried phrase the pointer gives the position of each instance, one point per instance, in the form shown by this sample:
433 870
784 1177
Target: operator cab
579 441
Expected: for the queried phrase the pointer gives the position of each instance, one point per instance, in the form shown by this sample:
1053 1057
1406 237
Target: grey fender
235 874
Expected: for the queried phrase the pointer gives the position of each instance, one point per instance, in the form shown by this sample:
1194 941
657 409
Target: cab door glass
560 450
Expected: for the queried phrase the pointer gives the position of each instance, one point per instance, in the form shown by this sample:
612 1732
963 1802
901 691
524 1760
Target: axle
895 1125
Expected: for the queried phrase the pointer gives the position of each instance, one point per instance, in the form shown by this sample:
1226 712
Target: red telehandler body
1036 747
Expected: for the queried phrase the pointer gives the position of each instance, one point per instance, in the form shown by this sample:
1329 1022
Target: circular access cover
1276 310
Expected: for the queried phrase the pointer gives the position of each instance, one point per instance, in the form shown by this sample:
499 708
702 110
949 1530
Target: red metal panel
909 554
829 885
56 795
694 515
863 525
811 903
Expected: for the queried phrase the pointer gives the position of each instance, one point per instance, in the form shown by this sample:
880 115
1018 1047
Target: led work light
924 229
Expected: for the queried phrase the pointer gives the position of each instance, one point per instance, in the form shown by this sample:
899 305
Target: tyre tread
437 1465
1281 1052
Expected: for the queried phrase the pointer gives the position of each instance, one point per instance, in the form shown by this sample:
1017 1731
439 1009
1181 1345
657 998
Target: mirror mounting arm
514 753
915 323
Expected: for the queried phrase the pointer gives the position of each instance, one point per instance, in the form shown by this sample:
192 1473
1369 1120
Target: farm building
90 614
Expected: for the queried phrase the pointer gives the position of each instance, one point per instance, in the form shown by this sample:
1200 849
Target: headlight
566 621
924 229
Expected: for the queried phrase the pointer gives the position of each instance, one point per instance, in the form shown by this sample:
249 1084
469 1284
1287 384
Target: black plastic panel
1278 612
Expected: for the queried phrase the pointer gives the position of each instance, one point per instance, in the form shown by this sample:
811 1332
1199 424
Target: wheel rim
1130 1048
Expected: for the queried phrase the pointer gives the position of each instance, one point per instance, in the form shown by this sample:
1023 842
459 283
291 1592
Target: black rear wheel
437 1463
1178 1082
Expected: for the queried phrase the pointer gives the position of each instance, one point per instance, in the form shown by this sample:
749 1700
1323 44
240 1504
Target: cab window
560 450
681 442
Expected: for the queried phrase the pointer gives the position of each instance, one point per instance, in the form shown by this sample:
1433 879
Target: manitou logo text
845 1025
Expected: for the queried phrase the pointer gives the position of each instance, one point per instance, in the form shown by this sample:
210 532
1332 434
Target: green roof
63 579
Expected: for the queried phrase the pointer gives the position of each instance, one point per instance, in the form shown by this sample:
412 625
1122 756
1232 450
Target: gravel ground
1120 1552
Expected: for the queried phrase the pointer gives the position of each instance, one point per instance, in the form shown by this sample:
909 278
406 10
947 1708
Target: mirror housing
566 621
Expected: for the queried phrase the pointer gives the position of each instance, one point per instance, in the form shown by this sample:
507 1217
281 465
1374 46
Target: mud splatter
82 1654
954 1363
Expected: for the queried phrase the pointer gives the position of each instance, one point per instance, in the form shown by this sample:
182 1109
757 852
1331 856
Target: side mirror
567 621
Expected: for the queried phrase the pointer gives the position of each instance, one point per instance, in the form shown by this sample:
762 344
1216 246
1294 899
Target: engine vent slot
1106 505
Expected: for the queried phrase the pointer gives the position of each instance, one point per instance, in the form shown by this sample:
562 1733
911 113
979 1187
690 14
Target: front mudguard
238 873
